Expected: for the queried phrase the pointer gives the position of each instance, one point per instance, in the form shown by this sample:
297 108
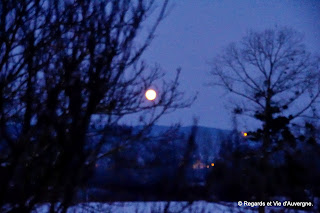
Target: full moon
151 94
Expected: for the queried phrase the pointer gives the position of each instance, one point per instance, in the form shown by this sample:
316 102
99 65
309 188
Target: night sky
196 30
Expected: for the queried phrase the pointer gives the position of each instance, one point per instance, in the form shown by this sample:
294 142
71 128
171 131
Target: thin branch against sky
195 31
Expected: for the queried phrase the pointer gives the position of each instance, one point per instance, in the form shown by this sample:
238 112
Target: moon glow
151 94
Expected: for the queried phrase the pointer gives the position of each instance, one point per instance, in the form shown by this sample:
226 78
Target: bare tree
62 65
272 74
274 80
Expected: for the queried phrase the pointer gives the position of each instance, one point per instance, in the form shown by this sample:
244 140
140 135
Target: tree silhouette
275 81
64 66
270 71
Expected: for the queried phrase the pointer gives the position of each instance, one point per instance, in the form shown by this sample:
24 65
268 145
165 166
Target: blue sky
196 30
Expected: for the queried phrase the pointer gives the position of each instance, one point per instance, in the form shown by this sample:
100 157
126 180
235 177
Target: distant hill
166 148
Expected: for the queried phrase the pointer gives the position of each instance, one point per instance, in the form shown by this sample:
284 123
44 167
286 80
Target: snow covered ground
152 207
